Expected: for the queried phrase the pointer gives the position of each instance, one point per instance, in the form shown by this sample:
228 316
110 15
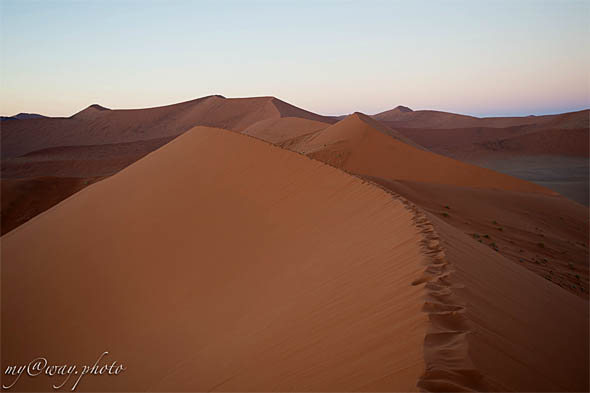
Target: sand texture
250 245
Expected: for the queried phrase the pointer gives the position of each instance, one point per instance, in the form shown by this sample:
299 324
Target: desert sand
98 141
551 150
356 145
405 117
324 303
277 130
362 259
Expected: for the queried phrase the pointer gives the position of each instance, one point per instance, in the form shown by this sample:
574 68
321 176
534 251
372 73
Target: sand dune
284 128
98 141
497 327
97 125
23 199
400 117
322 282
22 116
538 152
479 143
323 303
572 142
515 225
356 145
509 214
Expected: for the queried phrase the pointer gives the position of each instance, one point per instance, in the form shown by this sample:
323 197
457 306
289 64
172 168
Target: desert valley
246 244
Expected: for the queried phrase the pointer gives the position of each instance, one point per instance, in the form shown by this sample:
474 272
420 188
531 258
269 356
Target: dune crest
284 128
323 303
361 290
361 145
98 141
440 120
98 125
90 112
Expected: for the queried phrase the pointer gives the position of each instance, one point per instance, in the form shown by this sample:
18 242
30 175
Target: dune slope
284 128
98 141
98 125
540 149
437 119
497 327
269 271
356 145
545 234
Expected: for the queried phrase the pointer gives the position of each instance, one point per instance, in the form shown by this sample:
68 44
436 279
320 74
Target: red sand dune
569 142
549 150
23 199
400 117
512 216
356 145
96 125
271 271
548 235
475 138
517 330
284 128
99 141
308 290
479 143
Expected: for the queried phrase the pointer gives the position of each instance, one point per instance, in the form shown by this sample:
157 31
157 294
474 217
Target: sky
482 58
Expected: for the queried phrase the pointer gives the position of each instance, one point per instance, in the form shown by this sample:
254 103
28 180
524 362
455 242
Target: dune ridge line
446 338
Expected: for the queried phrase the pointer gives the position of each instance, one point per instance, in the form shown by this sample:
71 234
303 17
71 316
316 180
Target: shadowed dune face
23 199
79 161
269 271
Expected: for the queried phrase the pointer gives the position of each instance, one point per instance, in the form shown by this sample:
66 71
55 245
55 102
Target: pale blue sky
330 57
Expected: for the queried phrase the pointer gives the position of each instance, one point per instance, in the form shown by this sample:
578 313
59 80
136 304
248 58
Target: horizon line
326 115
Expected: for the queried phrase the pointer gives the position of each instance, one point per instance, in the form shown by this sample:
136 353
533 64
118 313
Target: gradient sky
331 57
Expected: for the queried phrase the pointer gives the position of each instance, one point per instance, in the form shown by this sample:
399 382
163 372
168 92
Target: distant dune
98 141
271 271
22 116
405 117
526 147
356 145
97 125
482 142
507 214
548 235
284 128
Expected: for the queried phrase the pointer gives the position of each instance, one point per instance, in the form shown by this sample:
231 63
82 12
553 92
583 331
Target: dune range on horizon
312 253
